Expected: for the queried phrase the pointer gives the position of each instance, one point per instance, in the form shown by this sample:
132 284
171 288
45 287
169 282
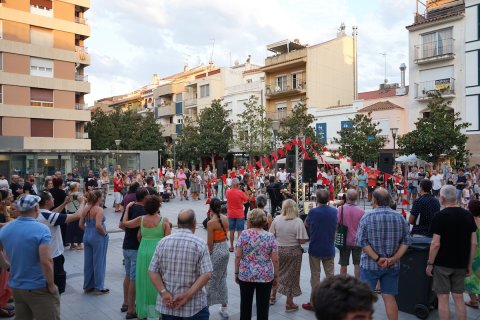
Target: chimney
156 79
403 90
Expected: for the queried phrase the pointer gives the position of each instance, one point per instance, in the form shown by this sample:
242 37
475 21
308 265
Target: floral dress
256 264
472 283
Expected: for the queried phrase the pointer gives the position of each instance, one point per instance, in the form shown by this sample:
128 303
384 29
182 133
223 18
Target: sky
132 40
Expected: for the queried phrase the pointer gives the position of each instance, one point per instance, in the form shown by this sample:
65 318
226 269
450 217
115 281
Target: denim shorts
236 224
388 279
130 257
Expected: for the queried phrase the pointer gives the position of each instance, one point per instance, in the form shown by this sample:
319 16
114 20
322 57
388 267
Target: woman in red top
117 187
371 183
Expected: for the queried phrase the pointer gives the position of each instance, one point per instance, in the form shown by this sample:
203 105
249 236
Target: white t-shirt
282 176
170 177
53 220
436 182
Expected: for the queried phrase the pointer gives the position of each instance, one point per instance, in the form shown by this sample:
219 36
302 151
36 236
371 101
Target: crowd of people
178 275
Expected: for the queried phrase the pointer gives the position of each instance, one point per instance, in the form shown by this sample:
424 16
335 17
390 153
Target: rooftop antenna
384 54
210 62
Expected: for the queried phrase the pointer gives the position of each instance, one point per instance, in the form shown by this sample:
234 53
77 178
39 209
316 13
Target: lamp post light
117 143
174 137
394 136
160 159
275 127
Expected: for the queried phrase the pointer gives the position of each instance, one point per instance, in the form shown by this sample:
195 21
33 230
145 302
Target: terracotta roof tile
437 18
382 105
377 94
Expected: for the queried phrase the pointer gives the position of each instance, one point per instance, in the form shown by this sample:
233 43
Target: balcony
167 109
445 86
168 129
286 60
288 86
41 11
81 135
81 49
81 106
81 77
246 87
190 102
279 115
434 51
80 20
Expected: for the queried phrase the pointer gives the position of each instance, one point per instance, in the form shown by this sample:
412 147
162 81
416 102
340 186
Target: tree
148 135
299 121
437 133
215 131
253 131
187 143
101 131
361 141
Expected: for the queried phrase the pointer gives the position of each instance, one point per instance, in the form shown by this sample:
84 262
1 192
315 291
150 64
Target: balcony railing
246 87
81 77
287 57
81 135
80 20
81 49
445 86
81 106
190 102
434 51
279 115
287 86
166 110
41 11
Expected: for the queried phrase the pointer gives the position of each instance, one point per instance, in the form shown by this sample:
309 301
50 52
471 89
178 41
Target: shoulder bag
341 235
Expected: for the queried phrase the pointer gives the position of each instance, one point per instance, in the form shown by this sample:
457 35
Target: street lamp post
394 136
117 143
174 137
275 127
160 159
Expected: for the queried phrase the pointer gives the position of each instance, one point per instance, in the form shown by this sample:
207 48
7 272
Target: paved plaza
77 305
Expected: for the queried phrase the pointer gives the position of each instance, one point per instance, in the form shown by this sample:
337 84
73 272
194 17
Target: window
437 43
204 91
281 83
321 131
297 80
262 79
384 126
345 124
41 67
178 97
281 107
41 7
41 97
249 80
41 128
180 120
41 37
1 60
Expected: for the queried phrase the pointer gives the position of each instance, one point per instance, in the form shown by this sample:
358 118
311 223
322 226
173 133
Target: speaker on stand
309 173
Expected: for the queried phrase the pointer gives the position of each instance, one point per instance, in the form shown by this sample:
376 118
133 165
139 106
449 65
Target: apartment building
321 74
472 81
42 76
441 62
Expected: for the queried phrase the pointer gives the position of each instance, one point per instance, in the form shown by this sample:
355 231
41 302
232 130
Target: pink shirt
351 218
181 177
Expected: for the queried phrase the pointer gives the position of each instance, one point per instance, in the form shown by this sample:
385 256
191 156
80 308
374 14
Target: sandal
131 316
472 304
103 291
6 313
124 308
291 307
273 301
231 249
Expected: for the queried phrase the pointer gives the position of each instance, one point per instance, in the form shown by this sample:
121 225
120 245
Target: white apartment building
472 81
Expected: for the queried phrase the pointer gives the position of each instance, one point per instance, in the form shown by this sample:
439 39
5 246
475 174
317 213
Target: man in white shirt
282 176
53 220
437 183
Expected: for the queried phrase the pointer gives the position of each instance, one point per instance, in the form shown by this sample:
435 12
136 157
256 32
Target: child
466 194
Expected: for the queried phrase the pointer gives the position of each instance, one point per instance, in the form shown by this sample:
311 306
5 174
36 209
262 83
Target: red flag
224 178
274 156
398 179
258 164
267 162
295 142
340 156
305 155
288 147
405 192
328 165
405 202
233 174
307 141
377 172
250 168
404 213
280 152
160 172
387 176
242 171
325 181
358 165
349 160
324 149
367 169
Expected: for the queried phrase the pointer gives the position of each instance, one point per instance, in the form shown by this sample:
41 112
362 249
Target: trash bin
415 295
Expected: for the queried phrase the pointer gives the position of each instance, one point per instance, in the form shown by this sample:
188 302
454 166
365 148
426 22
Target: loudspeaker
309 173
386 162
222 167
290 162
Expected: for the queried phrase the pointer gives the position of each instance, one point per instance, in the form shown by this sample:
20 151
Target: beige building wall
16 126
16 31
330 73
63 40
15 95
64 70
15 63
63 10
63 129
64 99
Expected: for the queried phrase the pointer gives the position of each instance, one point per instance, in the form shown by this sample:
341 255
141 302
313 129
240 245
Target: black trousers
59 274
262 291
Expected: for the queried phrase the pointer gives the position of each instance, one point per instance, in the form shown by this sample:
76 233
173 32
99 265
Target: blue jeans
204 314
388 279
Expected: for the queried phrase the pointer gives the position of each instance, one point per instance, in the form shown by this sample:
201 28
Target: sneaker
307 306
224 312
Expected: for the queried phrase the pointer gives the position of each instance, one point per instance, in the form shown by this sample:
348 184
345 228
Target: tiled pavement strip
77 305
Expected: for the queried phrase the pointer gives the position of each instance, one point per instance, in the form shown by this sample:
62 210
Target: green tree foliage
187 142
253 131
134 131
215 131
361 142
437 133
298 122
